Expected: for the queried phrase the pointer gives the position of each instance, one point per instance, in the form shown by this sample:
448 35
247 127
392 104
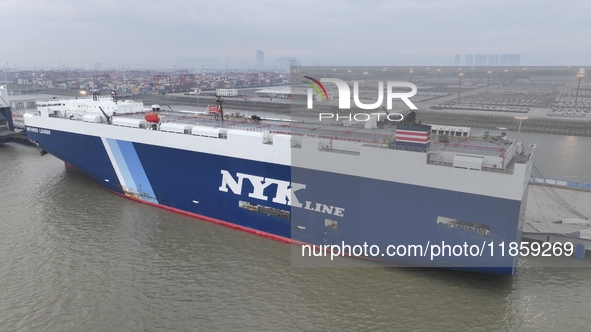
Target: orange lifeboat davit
152 117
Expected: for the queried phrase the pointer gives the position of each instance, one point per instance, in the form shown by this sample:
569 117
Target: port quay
550 100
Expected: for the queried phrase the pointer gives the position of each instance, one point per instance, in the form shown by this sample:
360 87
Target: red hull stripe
213 220
412 136
414 133
412 139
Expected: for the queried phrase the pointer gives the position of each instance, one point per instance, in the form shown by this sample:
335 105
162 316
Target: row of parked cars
476 107
531 102
570 112
519 91
569 102
573 93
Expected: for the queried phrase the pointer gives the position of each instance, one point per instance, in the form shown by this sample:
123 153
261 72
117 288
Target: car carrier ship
303 182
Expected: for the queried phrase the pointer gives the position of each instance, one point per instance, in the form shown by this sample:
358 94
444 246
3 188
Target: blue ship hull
375 212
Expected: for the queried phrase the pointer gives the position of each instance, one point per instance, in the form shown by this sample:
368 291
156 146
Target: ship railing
411 148
507 170
229 126
349 152
468 150
377 145
237 126
403 148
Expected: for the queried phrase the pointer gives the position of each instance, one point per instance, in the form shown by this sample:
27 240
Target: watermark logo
316 85
345 98
345 93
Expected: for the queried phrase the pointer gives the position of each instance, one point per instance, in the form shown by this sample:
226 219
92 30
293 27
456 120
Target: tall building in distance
457 60
480 60
513 59
469 60
493 59
260 59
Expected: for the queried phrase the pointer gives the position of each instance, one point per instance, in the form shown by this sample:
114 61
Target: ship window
269 211
331 223
449 222
469 226
483 229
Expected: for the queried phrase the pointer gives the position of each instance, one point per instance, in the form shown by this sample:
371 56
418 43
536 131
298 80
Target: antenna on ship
383 123
411 118
220 100
105 114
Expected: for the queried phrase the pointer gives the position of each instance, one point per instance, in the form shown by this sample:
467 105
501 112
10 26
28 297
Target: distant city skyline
488 60
144 34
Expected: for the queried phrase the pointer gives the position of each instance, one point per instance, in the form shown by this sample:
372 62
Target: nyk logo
345 93
285 193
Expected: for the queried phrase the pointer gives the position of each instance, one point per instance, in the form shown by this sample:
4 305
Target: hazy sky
329 32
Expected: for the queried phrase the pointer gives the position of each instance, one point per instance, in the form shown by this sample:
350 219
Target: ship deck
490 145
354 132
331 130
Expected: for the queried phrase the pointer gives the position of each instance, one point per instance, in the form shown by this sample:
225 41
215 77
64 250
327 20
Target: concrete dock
558 215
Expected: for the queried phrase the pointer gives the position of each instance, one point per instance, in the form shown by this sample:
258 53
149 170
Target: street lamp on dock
520 118
460 86
580 75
